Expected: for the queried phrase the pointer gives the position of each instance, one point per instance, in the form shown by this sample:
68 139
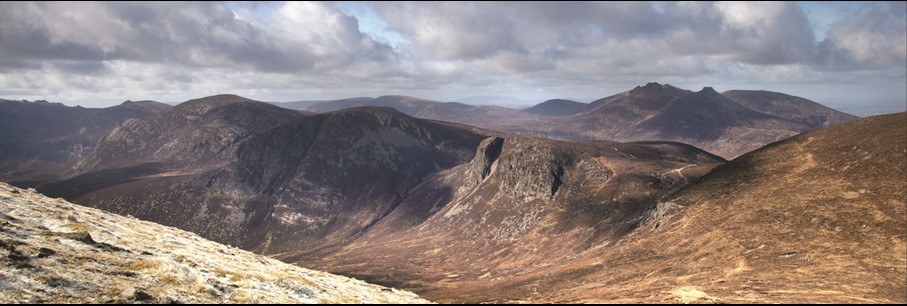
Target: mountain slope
407 105
713 122
789 107
520 204
40 140
57 252
475 115
819 218
196 134
557 107
308 183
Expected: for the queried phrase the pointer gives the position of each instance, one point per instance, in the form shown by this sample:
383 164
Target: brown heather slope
52 251
817 218
520 205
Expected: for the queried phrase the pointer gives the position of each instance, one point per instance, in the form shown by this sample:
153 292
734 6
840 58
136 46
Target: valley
458 213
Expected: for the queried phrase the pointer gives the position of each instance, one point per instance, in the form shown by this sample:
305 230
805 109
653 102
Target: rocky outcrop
486 155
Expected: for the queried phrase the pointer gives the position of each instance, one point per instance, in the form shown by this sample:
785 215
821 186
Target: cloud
874 37
302 36
292 50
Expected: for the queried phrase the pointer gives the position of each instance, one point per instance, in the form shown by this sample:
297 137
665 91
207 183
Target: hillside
40 140
789 107
557 107
303 182
817 218
520 204
192 136
57 252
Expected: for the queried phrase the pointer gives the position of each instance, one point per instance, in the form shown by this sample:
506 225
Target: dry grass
79 227
144 264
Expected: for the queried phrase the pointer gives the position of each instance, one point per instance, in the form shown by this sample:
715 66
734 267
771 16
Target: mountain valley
494 213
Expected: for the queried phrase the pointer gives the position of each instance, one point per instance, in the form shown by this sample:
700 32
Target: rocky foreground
52 251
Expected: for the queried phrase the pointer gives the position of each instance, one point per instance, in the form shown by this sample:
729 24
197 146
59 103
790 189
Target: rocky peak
649 87
656 90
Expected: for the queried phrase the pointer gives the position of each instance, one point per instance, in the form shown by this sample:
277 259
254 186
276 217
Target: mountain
195 135
39 140
792 108
320 189
727 124
656 112
519 204
819 217
713 122
58 252
262 177
462 214
407 105
475 115
557 107
496 100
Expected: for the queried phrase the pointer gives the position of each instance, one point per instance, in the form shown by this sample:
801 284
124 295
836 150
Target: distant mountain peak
649 86
221 99
557 107
653 88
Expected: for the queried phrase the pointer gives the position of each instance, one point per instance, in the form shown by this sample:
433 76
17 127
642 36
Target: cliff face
57 252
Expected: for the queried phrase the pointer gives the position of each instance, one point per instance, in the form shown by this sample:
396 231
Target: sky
848 55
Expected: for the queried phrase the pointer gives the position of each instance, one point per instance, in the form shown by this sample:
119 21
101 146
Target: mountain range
727 124
409 193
